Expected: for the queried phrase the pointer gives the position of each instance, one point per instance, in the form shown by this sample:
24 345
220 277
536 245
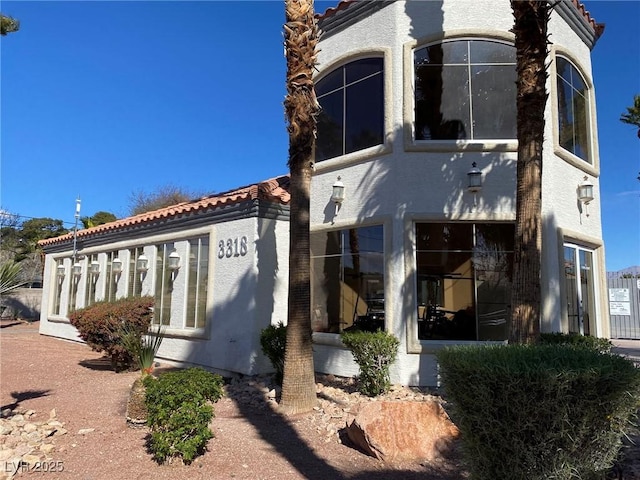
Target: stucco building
418 99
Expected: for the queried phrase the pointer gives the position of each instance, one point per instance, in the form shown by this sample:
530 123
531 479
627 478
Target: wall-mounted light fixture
337 194
116 266
585 193
61 271
174 261
77 269
142 264
475 182
94 267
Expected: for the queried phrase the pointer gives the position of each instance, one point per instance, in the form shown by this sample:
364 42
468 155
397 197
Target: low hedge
602 345
179 412
374 352
273 341
100 326
541 411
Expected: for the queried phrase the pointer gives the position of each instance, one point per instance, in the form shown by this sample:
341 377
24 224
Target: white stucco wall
247 289
403 181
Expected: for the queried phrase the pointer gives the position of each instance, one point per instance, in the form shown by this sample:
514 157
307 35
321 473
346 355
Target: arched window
573 110
465 90
352 102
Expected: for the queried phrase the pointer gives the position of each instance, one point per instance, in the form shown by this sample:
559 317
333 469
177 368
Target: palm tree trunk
301 107
530 29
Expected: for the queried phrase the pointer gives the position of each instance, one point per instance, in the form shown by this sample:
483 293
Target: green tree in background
8 25
98 218
632 117
21 240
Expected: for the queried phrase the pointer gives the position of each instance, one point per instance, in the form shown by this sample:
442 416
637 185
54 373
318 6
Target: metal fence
624 306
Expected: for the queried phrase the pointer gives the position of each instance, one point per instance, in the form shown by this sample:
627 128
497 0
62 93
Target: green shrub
602 345
273 340
374 352
541 411
100 326
178 412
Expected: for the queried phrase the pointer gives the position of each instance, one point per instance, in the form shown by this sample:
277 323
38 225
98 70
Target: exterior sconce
337 194
77 269
94 268
142 264
174 261
61 271
585 193
116 266
475 182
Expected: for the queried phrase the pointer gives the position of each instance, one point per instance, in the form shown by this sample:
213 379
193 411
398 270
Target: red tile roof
331 11
344 4
598 27
275 190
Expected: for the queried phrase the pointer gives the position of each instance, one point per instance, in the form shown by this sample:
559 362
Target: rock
31 459
47 448
22 441
402 430
6 454
136 414
84 431
30 427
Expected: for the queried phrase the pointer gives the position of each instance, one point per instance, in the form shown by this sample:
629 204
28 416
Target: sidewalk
628 348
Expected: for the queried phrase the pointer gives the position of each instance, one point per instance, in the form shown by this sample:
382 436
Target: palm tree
530 29
301 108
8 25
632 117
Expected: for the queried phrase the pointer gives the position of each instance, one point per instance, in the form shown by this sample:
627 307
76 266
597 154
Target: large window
352 114
164 285
573 110
197 285
59 282
92 280
347 271
134 288
463 280
112 278
465 89
74 283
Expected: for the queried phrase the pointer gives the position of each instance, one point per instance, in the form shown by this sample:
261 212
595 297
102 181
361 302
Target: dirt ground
43 373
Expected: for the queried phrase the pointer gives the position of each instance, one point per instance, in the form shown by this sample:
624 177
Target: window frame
56 304
591 164
91 281
134 278
421 346
320 334
164 284
477 145
387 92
466 65
111 283
200 319
342 91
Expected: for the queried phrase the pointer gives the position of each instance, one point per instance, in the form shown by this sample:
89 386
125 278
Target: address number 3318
232 247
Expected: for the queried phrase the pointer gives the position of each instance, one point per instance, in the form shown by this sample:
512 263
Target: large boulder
402 431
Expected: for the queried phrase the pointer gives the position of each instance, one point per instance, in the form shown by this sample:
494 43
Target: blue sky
101 99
